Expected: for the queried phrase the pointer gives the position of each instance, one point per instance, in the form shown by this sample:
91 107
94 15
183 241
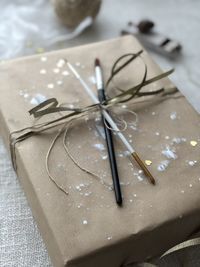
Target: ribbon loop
40 109
115 70
50 106
64 121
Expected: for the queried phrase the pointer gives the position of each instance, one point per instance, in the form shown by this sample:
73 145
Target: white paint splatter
21 92
43 59
71 105
26 95
78 188
60 63
127 153
59 82
56 70
133 127
169 153
140 178
97 119
37 99
65 73
43 71
163 165
50 85
173 115
92 79
87 194
100 147
192 162
124 154
178 140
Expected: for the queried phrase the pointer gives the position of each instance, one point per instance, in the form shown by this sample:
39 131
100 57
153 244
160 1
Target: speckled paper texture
86 227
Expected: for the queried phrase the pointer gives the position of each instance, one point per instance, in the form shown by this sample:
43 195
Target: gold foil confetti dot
148 162
193 143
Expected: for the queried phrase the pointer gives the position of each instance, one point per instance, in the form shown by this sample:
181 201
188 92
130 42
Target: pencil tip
119 203
97 62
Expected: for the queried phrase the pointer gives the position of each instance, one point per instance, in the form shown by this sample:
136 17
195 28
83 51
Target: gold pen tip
144 168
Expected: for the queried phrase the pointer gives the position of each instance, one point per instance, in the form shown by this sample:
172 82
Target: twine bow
74 114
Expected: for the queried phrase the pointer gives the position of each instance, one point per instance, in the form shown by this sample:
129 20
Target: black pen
108 135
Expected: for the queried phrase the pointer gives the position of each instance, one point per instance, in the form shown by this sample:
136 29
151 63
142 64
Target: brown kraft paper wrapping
86 228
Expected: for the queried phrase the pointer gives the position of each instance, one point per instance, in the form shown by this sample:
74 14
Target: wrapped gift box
86 228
